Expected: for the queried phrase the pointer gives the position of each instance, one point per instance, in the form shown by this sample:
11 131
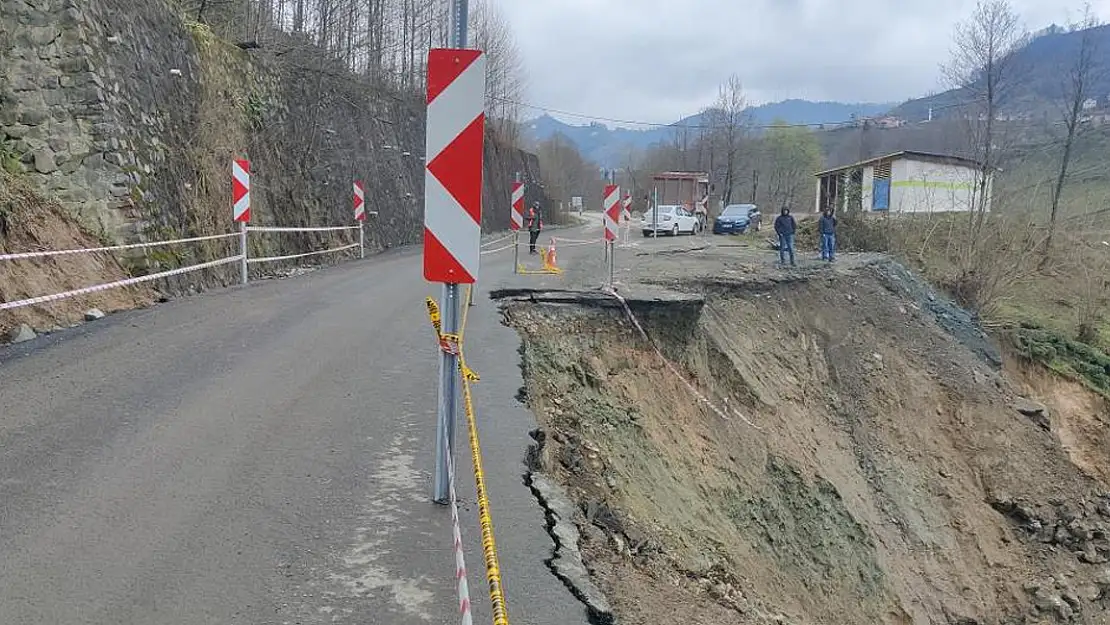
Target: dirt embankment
873 463
30 222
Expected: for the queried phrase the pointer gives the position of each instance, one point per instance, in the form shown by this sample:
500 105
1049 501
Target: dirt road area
827 444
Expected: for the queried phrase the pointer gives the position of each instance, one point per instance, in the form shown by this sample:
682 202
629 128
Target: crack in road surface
565 562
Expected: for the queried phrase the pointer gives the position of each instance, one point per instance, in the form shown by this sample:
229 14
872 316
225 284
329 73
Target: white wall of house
919 187
899 172
866 186
924 186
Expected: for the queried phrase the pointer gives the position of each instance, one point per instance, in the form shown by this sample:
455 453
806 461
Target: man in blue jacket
785 227
827 228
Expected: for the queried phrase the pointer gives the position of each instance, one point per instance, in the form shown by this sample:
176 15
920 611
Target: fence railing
243 258
246 260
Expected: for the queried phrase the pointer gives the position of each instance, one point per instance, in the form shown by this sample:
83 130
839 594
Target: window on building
880 190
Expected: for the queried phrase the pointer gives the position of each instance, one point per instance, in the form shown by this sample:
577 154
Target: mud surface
858 453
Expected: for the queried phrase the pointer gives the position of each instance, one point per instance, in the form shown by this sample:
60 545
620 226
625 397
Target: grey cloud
659 60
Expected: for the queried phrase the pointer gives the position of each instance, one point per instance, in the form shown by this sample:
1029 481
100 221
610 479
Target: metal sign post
612 264
360 216
516 219
241 208
655 211
611 207
452 215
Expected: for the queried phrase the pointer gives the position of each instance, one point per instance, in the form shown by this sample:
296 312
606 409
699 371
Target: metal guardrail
242 257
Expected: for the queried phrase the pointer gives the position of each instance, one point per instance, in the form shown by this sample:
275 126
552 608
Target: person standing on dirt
535 225
827 228
785 227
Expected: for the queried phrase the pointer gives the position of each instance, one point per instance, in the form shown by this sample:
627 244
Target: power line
680 126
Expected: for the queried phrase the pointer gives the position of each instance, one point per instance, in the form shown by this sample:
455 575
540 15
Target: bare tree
1078 83
729 120
566 173
983 66
490 32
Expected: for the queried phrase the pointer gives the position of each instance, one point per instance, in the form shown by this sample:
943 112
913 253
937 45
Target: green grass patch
1068 357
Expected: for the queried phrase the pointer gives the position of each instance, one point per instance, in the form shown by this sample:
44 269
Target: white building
903 182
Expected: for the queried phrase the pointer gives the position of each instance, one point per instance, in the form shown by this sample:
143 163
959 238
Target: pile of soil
868 459
30 222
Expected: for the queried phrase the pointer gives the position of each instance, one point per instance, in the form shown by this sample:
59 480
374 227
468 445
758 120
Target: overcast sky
659 60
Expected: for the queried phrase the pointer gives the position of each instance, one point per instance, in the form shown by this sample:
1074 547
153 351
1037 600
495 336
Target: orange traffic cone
549 261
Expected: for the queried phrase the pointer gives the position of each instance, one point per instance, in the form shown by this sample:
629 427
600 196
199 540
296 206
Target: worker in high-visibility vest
535 225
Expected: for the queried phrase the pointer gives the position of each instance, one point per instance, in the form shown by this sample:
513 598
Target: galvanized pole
243 250
361 241
449 366
655 211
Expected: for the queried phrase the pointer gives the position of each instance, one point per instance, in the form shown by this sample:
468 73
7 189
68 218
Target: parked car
672 220
736 218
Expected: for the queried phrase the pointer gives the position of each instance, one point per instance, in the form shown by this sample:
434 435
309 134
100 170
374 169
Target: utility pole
449 365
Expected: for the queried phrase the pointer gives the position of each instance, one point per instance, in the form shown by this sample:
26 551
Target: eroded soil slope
873 463
30 222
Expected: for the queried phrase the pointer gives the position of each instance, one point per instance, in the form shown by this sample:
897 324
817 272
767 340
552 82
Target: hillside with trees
1038 58
606 142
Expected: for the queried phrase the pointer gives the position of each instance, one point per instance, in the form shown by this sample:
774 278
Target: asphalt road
261 455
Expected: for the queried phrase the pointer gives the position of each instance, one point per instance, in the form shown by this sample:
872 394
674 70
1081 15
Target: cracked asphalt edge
566 560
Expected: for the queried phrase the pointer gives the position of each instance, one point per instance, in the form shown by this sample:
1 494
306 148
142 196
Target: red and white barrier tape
573 243
460 560
111 285
702 398
499 249
306 229
499 239
292 256
113 248
582 241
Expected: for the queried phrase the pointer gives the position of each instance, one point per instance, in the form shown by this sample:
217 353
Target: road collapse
880 473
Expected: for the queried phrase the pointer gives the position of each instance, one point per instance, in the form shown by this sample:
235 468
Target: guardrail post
243 250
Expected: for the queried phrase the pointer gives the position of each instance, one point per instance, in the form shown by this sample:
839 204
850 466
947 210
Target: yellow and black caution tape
489 546
433 314
547 268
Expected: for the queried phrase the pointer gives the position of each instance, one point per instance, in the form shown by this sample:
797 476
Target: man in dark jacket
785 226
827 228
535 225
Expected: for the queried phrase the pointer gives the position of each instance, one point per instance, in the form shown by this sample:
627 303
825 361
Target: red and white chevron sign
517 212
453 147
360 201
626 204
612 206
241 190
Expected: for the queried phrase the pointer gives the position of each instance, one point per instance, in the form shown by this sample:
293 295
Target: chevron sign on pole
453 174
517 213
360 202
611 205
241 190
626 206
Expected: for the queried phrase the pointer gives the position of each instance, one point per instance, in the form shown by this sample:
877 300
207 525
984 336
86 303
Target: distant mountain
806 112
609 147
1042 66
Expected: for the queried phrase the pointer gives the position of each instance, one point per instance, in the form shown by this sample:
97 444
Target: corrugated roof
909 154
680 175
